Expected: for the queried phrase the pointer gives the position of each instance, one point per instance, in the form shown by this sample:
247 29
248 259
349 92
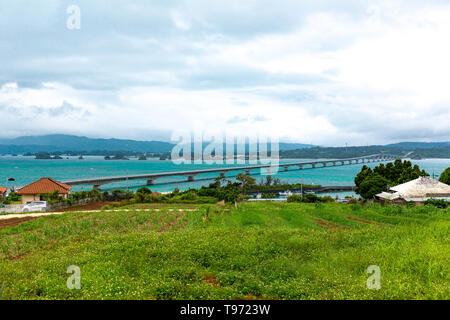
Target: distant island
117 156
46 156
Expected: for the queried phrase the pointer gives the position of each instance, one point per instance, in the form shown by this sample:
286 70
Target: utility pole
7 182
301 188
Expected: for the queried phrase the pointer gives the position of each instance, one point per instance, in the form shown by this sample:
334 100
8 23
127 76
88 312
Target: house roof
2 190
422 187
388 196
45 185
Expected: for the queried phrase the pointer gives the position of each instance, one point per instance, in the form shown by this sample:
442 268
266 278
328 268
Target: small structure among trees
372 182
2 192
417 190
35 191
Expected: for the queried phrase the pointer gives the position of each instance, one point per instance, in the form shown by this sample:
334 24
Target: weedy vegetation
252 251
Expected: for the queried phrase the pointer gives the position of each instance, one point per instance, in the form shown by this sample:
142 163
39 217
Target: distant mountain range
413 150
420 145
60 143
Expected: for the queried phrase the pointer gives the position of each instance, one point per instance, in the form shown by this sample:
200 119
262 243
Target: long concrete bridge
190 174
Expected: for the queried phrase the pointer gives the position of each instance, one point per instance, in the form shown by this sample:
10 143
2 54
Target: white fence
11 208
17 208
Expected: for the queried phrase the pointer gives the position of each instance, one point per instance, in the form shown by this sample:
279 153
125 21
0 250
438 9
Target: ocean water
27 169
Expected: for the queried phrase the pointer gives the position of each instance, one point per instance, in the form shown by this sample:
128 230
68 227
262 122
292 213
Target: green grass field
255 251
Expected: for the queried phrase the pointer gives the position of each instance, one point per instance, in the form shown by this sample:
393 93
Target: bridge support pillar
342 162
222 175
313 165
324 164
286 168
247 172
300 167
150 182
97 187
191 178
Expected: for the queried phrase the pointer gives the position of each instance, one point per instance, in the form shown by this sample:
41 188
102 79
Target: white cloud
323 73
180 21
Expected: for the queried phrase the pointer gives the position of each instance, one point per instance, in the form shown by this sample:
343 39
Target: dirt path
14 221
28 215
328 224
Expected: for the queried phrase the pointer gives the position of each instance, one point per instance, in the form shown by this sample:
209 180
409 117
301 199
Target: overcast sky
323 72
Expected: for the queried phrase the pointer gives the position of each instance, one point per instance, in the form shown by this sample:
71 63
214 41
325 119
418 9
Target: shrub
327 199
294 198
13 197
373 185
188 196
141 194
309 198
445 176
439 203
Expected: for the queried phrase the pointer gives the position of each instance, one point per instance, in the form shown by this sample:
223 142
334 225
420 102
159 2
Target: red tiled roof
43 186
2 190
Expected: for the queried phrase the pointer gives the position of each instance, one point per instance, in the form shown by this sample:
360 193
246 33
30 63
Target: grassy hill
255 251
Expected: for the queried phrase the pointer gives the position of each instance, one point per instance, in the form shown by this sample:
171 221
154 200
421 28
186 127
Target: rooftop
420 188
43 186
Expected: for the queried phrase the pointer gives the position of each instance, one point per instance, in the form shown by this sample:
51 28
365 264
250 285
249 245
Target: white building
418 190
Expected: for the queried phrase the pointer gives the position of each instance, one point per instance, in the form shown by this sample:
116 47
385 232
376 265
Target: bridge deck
150 177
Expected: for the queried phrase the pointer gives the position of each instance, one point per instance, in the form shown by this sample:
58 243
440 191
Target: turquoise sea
27 169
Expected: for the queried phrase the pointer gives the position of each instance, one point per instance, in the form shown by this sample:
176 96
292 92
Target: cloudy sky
323 72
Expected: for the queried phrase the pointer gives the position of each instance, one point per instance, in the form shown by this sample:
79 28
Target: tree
370 182
247 182
373 185
362 175
94 194
445 176
141 194
269 180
